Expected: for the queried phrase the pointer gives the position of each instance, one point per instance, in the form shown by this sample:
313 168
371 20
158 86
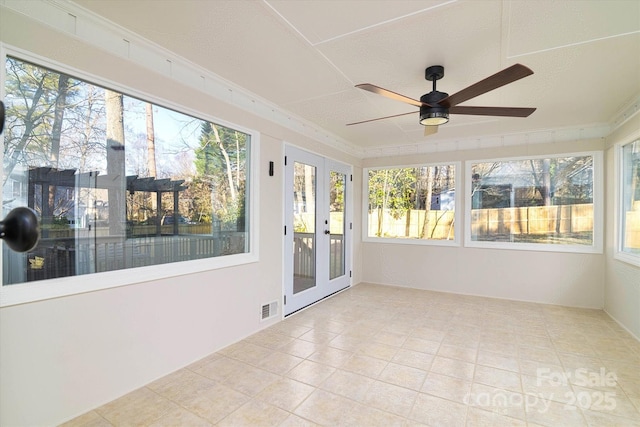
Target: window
414 204
629 196
116 181
537 203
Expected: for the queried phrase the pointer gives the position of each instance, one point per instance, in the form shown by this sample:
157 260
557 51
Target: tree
58 117
151 152
428 174
115 162
220 164
392 191
151 141
541 172
30 94
83 137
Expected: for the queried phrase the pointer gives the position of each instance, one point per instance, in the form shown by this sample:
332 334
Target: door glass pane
336 224
304 227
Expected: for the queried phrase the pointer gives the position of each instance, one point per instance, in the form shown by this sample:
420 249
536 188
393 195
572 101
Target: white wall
547 277
62 357
622 289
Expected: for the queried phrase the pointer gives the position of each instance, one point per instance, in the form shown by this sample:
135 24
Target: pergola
158 186
48 177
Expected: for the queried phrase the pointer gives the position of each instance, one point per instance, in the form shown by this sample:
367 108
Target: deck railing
64 257
69 256
304 255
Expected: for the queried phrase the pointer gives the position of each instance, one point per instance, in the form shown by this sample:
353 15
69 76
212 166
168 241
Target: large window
117 182
629 186
539 203
411 204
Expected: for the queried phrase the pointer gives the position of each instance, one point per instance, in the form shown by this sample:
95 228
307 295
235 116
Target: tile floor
385 356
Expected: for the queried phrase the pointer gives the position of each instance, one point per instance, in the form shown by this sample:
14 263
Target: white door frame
324 286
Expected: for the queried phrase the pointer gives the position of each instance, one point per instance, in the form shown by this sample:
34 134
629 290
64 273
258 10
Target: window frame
619 209
598 208
65 286
455 242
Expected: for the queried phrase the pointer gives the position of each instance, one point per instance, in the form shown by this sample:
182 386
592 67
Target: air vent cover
269 310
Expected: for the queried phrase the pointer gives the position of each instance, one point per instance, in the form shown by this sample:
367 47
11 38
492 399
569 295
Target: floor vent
269 310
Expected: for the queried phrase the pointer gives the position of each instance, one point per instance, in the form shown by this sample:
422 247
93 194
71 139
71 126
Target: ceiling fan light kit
435 106
430 117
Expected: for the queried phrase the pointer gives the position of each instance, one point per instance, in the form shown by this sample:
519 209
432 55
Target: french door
317 228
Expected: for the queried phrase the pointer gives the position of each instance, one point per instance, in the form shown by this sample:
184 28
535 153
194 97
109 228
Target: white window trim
54 288
456 242
598 209
618 253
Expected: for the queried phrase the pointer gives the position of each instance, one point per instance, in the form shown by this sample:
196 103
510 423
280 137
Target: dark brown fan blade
501 78
492 111
381 118
389 94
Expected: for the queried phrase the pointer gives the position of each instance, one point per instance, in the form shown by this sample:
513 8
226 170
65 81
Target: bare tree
151 141
427 203
223 150
58 117
115 162
151 153
541 173
56 131
29 86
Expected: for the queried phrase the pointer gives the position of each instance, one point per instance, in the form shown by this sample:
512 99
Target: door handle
327 232
20 230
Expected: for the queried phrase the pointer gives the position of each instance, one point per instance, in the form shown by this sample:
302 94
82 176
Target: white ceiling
306 56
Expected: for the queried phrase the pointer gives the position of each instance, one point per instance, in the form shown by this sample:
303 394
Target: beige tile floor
385 356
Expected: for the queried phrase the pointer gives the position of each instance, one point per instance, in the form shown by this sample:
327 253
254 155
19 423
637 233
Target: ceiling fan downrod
433 74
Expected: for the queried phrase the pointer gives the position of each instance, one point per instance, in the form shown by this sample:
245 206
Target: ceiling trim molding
94 30
543 136
626 112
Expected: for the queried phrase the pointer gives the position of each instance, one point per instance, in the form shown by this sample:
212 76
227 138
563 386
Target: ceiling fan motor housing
436 110
433 98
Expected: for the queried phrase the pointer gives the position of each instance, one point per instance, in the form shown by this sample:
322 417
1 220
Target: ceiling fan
435 106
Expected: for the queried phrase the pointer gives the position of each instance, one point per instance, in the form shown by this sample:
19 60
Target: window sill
22 293
536 247
411 241
627 258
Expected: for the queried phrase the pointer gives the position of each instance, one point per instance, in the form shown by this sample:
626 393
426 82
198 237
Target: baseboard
621 325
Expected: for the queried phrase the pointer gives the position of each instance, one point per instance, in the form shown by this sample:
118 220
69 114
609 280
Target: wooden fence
542 220
534 220
440 224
